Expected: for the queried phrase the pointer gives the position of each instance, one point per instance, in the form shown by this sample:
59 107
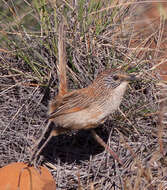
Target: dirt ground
136 42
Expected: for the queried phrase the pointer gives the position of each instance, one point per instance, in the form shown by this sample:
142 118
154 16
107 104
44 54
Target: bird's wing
72 102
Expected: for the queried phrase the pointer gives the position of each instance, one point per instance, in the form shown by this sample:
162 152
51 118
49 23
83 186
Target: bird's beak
127 77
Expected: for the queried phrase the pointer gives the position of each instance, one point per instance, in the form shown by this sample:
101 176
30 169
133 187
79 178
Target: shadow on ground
74 148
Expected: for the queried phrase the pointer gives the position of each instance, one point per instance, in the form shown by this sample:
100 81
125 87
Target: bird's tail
61 68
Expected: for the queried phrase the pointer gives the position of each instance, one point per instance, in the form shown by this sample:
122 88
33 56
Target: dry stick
102 143
161 125
133 154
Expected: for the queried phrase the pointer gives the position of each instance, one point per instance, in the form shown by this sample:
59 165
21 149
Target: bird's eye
115 77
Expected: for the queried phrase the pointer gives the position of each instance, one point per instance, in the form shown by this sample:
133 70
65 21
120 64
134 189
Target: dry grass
95 41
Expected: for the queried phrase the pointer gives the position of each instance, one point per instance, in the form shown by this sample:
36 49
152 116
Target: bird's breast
114 98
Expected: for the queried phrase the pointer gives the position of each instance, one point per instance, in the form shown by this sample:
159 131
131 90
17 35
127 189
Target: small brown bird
88 107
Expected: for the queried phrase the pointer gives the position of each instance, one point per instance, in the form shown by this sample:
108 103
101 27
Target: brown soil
151 19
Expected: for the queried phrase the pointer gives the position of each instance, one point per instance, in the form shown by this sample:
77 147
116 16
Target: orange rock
30 178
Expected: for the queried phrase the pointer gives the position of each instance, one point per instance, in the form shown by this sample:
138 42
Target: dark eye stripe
115 77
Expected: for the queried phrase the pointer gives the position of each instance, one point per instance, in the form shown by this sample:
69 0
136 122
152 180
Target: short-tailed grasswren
88 107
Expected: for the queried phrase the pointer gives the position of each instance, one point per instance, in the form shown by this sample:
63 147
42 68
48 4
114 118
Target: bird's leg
102 143
35 148
52 132
37 152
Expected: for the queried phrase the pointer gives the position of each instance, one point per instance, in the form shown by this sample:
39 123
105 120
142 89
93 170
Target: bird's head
111 79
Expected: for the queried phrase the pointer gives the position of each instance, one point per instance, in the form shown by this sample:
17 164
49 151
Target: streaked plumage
87 107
